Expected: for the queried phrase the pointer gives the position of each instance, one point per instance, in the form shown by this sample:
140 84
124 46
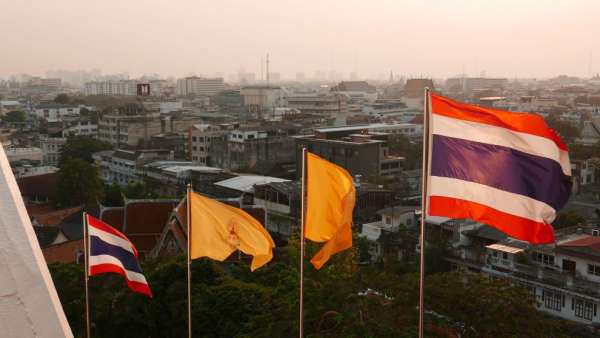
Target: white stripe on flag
484 133
501 200
107 259
110 238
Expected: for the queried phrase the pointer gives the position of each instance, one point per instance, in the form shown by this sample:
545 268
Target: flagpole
424 181
189 260
86 274
302 219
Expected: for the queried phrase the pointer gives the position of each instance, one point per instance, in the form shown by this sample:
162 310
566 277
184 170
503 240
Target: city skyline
524 39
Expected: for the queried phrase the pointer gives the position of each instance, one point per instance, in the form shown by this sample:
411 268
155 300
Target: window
553 300
594 269
193 138
543 258
388 220
504 255
583 309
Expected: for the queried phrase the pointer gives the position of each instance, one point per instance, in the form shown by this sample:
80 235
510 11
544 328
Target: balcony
545 275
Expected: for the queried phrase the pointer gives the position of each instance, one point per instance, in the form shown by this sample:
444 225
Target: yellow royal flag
218 229
330 198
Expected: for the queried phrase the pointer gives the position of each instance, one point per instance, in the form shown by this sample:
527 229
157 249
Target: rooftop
246 183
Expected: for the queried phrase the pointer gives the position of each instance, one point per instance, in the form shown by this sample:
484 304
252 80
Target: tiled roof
39 186
147 217
591 242
114 217
55 217
46 235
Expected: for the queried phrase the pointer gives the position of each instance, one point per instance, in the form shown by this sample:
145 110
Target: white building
55 112
170 106
392 220
122 166
81 128
27 170
199 86
410 130
30 153
112 87
9 105
51 149
261 101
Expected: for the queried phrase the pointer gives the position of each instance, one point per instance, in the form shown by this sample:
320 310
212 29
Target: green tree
14 116
478 306
566 130
78 183
565 219
400 145
81 147
113 195
62 99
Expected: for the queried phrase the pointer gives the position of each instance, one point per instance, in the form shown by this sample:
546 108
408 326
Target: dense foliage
341 300
14 116
81 147
78 183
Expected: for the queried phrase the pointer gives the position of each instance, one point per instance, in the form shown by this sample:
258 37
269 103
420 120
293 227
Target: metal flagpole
86 277
189 260
424 181
302 219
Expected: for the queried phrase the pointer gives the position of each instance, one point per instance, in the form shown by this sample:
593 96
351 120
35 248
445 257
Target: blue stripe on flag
501 167
100 247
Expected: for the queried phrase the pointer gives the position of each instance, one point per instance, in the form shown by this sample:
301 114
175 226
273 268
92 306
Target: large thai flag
504 169
111 251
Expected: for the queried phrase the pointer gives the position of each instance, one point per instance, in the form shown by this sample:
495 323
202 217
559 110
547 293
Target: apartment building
260 101
55 112
200 138
111 87
128 130
199 86
51 149
355 148
257 148
122 166
564 277
81 128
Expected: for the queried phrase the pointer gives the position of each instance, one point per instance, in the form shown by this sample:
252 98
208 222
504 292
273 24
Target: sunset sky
439 38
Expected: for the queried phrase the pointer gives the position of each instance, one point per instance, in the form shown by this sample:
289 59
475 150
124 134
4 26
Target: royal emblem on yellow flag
218 229
330 199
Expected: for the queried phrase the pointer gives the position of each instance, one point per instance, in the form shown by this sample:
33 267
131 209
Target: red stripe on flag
111 268
100 225
526 123
514 226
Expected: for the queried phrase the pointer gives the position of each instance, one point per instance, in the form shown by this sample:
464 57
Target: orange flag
218 229
330 198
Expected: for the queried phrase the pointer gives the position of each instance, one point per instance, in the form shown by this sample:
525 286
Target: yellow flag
330 198
218 229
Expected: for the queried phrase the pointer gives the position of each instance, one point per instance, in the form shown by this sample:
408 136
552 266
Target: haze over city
414 38
297 168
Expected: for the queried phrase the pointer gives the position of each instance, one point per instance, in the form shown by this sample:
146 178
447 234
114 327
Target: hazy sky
438 38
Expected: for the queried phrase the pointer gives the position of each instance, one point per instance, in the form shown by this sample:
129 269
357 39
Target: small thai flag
111 251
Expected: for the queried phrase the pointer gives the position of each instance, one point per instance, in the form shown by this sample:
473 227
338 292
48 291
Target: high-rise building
111 87
199 86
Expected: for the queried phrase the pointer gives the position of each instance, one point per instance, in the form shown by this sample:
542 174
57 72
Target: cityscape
127 147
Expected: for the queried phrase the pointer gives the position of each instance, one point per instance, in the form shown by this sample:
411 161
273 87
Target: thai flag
504 169
111 251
